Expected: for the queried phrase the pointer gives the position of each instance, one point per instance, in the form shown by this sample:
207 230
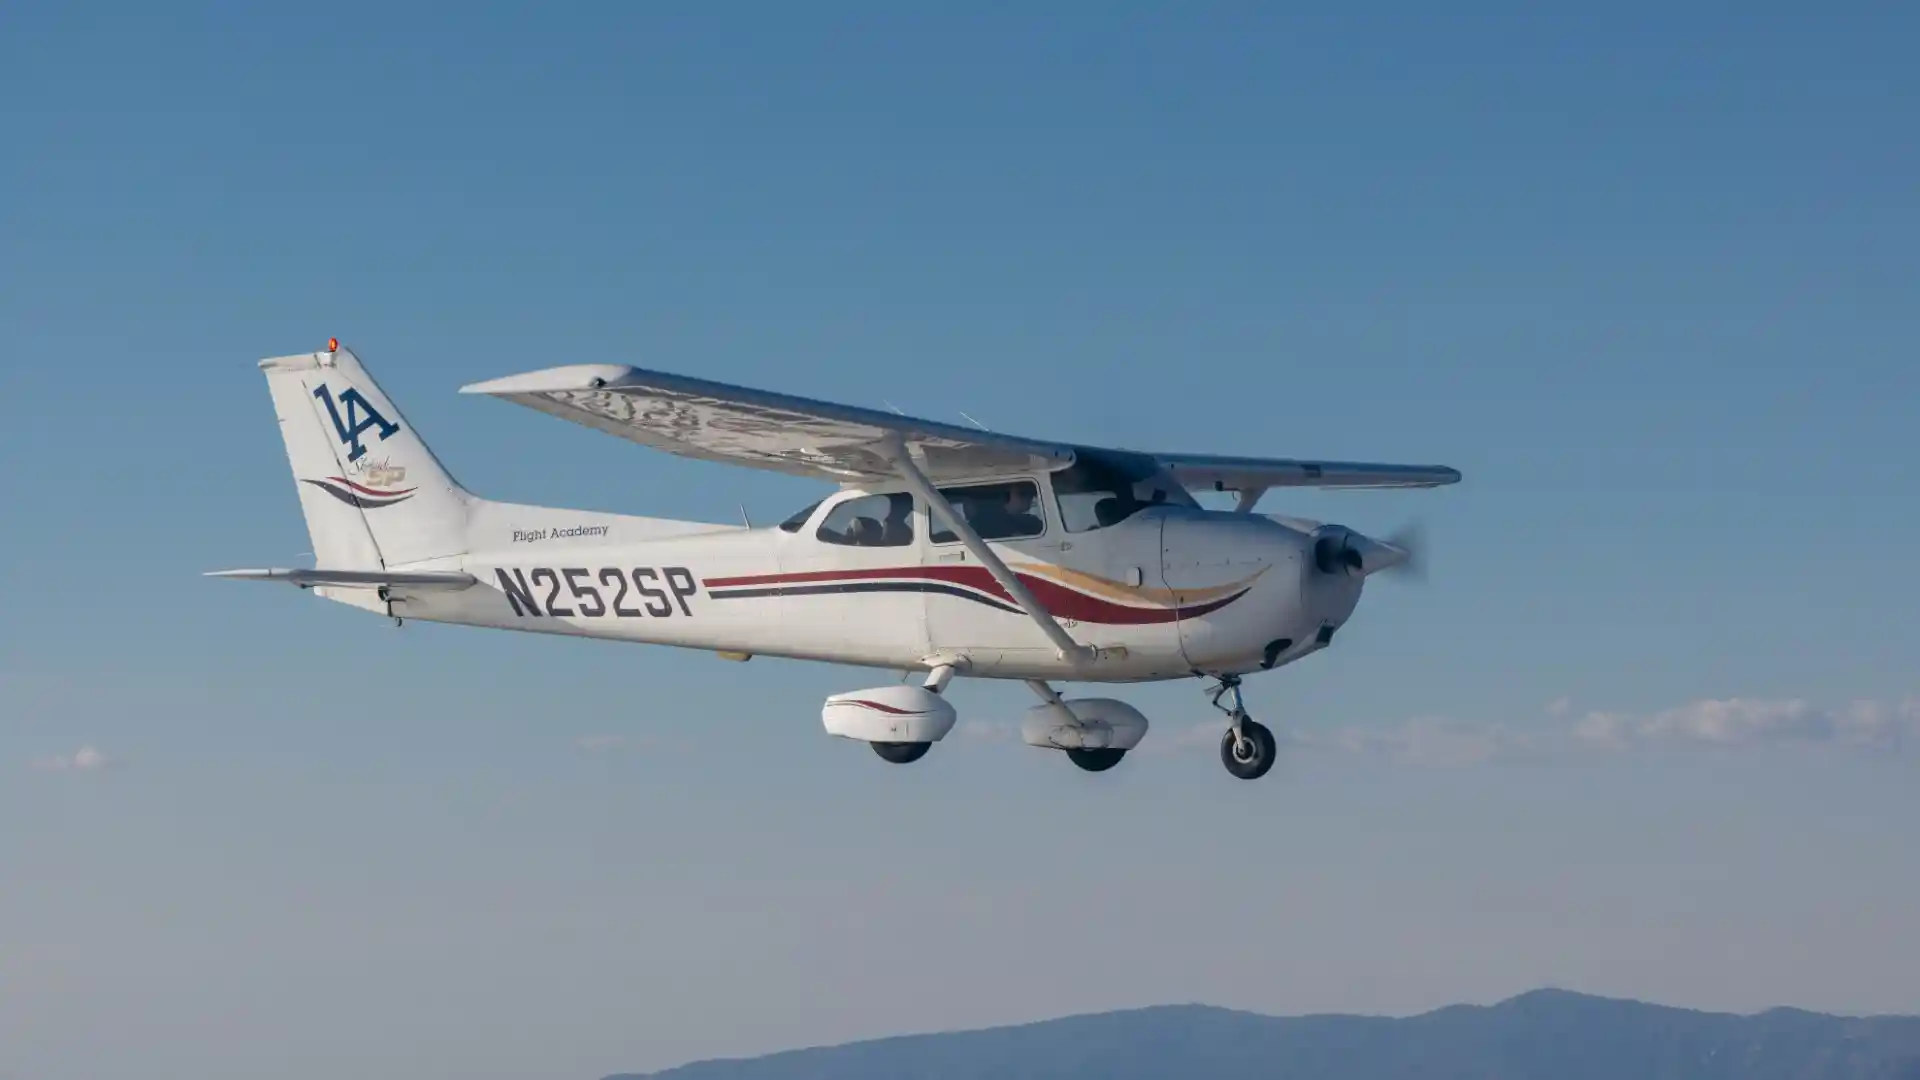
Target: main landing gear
901 753
1096 760
1096 733
901 723
1247 749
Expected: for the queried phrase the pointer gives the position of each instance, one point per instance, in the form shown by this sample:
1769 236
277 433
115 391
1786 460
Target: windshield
800 517
1099 490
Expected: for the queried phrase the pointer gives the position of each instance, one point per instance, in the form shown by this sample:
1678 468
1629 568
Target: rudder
373 494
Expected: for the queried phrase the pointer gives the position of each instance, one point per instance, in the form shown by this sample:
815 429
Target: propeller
1412 539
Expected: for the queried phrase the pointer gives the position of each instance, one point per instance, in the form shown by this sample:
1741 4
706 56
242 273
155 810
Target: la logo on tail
361 418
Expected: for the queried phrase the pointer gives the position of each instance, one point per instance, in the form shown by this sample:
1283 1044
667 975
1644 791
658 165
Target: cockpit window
870 521
1097 490
800 518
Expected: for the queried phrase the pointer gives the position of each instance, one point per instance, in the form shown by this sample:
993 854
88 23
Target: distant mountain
1544 1035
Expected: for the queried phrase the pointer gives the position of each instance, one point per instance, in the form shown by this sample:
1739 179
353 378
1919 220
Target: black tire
1252 761
1096 760
901 753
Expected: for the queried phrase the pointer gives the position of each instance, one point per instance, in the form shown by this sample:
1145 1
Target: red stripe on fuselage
878 707
1058 599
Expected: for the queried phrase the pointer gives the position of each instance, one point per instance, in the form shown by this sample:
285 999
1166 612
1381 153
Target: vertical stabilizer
373 494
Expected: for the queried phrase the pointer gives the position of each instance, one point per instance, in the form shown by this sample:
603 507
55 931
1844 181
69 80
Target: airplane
944 551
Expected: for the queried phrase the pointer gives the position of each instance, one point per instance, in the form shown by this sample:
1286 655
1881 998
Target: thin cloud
1731 722
86 759
1868 727
1559 733
1877 728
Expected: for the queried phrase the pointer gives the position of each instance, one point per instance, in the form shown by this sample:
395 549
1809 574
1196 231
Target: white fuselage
955 551
1170 591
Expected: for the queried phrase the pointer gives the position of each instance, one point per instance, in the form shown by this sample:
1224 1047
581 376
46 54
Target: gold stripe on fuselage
1135 594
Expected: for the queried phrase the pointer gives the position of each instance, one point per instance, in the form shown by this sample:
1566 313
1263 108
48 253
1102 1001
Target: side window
1006 511
870 521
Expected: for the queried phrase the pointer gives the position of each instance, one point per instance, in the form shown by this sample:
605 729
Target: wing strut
1068 649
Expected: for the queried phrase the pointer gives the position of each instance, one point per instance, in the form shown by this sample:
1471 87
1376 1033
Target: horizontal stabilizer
354 579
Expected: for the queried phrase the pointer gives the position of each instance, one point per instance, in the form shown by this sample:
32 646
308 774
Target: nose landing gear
1247 748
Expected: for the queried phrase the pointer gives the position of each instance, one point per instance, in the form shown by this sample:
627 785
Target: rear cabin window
870 521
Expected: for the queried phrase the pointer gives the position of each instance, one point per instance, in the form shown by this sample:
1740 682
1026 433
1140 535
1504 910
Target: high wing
713 421
759 428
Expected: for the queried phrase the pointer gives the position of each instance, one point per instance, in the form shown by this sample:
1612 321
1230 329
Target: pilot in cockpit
898 531
1020 518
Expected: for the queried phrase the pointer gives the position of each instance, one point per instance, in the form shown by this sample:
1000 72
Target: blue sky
1649 729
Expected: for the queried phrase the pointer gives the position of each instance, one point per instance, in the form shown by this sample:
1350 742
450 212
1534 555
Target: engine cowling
889 714
1102 724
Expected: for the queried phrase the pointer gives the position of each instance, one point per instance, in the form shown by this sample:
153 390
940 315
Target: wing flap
1208 472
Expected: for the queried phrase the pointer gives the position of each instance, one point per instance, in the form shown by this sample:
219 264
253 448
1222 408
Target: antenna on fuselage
974 422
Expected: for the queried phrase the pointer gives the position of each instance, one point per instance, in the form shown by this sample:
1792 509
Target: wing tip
551 380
